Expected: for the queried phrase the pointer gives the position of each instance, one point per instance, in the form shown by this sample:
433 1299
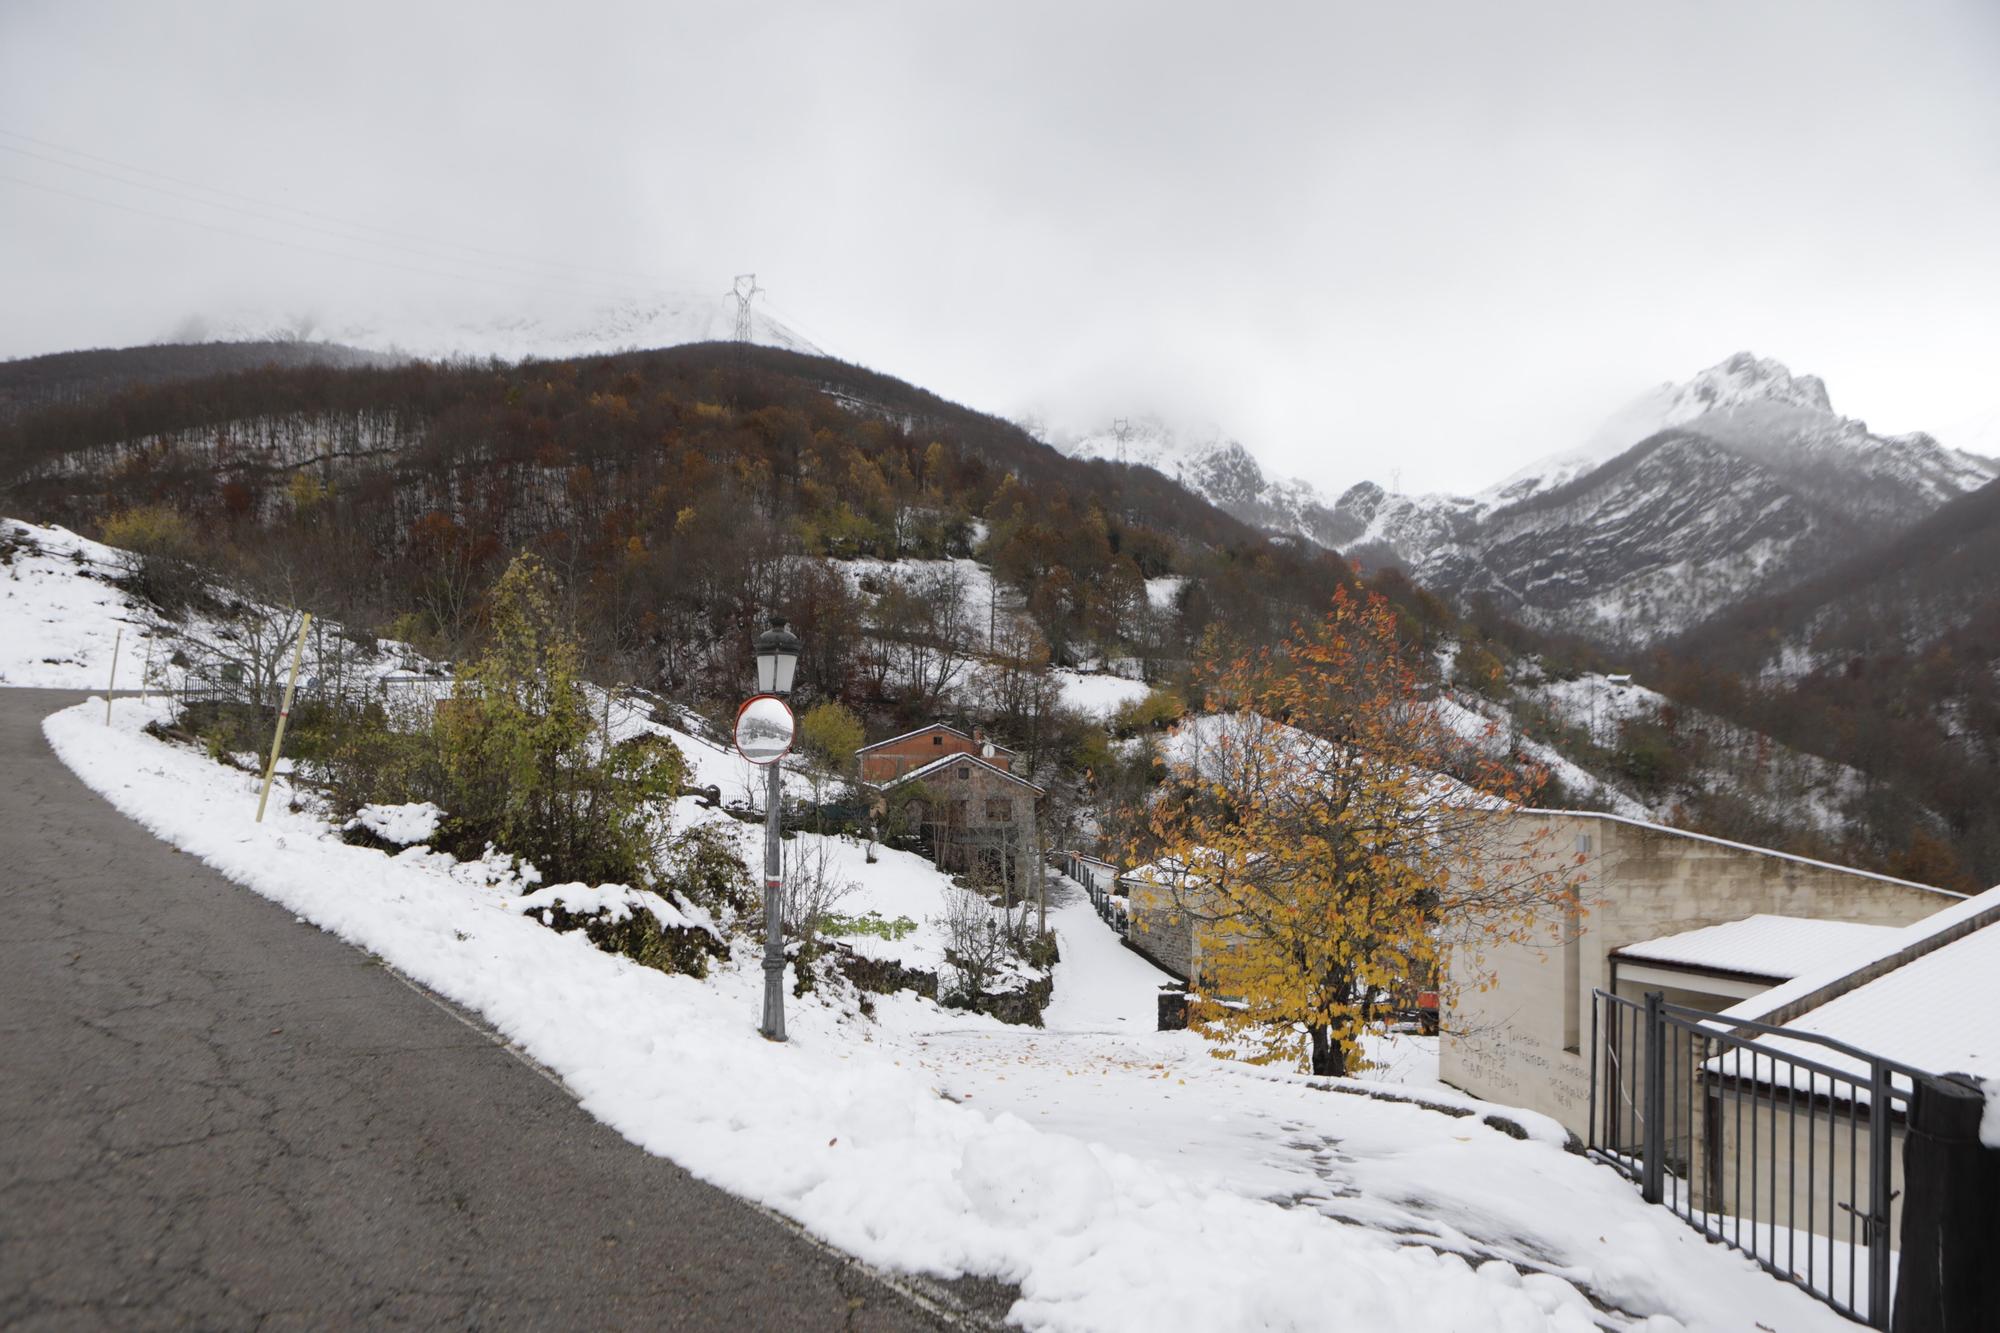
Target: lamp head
777 658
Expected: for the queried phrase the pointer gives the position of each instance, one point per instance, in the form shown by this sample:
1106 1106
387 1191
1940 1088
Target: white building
1707 921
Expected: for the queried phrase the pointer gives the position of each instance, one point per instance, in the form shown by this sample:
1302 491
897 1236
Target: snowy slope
1977 434
60 613
1741 380
1215 466
559 329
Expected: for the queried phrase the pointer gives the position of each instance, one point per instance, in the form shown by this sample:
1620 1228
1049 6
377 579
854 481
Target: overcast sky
1440 238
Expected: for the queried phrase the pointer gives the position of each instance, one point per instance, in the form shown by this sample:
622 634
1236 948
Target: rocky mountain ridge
1212 464
1741 481
1695 497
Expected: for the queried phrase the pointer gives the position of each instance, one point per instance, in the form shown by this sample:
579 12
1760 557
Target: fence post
1947 1281
112 684
1653 1135
1880 1187
284 714
1596 1058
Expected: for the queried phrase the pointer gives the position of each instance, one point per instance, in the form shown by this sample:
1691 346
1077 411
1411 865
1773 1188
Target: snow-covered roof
937 726
1086 856
1743 847
946 761
1777 947
1926 994
1175 872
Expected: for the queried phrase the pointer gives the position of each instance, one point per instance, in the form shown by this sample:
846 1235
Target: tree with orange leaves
1329 830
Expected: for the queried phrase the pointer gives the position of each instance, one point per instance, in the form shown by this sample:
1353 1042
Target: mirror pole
774 939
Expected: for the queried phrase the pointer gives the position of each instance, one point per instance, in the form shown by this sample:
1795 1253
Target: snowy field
1097 695
1121 1177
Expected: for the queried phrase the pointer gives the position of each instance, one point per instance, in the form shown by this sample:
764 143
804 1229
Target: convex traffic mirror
764 729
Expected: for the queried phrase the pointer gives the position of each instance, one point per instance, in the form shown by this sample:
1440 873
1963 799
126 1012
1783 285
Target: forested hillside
1889 661
675 491
936 562
67 378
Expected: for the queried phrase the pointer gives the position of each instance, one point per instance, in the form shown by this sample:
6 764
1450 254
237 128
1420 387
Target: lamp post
764 732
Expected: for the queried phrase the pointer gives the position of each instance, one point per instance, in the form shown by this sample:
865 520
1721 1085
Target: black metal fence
1782 1144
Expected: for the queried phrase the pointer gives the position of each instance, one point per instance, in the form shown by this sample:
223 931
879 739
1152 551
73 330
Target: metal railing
1782 1144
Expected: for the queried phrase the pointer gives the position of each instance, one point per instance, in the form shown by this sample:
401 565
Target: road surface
212 1116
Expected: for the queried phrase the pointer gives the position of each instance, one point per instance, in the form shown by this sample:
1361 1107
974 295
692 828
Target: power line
301 226
490 255
294 245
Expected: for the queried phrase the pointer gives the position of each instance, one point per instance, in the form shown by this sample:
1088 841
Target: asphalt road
212 1116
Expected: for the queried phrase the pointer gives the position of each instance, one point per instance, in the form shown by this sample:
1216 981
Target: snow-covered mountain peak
1746 378
1212 464
1744 381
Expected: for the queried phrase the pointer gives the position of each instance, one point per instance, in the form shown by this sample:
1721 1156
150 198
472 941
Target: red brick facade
888 760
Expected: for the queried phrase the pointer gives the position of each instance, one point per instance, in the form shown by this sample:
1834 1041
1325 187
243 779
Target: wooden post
116 639
1946 1280
1653 1097
284 714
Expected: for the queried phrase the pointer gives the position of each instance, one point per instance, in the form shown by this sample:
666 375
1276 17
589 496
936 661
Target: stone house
975 814
1157 897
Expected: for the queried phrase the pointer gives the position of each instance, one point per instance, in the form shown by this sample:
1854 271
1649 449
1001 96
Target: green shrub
868 923
158 548
522 760
1160 709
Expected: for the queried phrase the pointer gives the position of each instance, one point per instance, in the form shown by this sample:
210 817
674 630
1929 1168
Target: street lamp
764 732
777 658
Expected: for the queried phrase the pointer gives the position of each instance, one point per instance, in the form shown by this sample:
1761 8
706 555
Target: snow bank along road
213 1116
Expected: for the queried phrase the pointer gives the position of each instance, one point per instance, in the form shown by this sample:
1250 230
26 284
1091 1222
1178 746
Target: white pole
116 639
284 713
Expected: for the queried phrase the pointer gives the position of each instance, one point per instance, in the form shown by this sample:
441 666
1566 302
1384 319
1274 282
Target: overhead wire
486 257
308 249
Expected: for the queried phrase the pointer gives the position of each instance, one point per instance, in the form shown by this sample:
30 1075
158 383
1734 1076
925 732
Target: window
999 810
1572 953
1572 958
964 772
937 740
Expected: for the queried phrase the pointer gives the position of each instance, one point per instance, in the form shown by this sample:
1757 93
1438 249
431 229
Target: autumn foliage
1332 830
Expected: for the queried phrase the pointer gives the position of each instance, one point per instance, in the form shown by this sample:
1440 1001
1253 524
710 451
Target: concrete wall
1519 1040
1159 930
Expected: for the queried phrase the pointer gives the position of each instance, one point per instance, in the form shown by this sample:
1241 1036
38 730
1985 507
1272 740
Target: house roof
1175 872
946 761
1927 995
1774 947
936 726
